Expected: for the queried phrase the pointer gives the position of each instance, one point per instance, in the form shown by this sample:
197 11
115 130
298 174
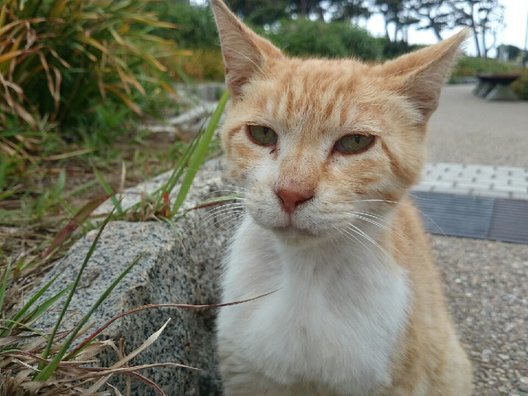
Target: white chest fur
333 319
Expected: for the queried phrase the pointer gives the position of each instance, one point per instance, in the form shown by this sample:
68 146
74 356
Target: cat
326 152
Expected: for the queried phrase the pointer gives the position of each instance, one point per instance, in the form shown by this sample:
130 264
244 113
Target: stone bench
496 86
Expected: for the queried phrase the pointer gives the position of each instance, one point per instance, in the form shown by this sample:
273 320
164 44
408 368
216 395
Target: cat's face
321 146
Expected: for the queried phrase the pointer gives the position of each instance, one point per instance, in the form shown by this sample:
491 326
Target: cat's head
318 144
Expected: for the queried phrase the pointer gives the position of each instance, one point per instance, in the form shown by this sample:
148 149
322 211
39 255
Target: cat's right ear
244 52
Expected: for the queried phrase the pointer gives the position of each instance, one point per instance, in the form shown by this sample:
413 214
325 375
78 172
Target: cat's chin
291 235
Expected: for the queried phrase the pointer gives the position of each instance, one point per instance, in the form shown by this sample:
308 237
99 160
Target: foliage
431 14
61 59
336 39
393 49
259 12
194 24
203 64
267 12
520 86
481 16
470 66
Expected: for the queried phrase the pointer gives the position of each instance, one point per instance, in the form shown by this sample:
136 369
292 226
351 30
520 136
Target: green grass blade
30 303
46 352
3 174
108 190
200 152
177 172
41 308
3 285
47 371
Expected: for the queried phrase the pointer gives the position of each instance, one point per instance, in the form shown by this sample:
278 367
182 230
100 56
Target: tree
346 10
483 17
397 13
261 12
432 14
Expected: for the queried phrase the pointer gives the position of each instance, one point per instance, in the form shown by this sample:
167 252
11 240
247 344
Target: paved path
469 130
479 180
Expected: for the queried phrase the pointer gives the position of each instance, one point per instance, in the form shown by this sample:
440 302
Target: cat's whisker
220 213
372 215
221 221
366 219
235 212
360 232
376 200
220 194
225 207
352 234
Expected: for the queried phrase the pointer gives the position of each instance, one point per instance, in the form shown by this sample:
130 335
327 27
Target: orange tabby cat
326 151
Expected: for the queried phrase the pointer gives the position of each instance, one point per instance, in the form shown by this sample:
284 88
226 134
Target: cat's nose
290 198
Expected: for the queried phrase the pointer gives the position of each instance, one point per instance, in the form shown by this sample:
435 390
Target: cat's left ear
420 75
245 53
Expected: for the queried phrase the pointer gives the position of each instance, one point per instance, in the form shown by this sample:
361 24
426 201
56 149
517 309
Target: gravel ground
470 130
487 289
486 282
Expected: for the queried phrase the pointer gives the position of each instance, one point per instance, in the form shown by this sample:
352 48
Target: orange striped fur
311 104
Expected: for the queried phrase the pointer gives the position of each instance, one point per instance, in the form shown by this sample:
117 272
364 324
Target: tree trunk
485 48
303 8
436 29
476 37
474 29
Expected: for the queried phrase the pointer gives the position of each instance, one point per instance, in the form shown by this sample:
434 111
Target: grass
50 187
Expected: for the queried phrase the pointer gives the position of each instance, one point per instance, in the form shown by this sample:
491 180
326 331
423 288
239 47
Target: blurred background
97 96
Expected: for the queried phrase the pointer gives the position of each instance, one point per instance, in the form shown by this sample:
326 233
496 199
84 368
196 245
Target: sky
515 18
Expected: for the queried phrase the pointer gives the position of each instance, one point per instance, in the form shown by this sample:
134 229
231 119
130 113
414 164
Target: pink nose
290 199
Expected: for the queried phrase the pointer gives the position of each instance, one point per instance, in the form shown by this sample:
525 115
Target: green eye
354 144
262 135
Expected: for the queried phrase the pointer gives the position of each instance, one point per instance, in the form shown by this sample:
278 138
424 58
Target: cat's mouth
292 230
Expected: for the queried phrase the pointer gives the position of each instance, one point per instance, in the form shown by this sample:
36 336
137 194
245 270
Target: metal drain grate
474 217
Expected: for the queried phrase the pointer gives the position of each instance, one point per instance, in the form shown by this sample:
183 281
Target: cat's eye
262 135
354 144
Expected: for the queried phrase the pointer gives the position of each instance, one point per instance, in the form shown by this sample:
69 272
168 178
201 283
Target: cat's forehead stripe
294 104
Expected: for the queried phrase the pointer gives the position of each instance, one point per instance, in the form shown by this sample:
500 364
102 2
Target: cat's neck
315 286
323 263
313 254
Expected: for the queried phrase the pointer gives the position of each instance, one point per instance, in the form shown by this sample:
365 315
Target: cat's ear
420 75
245 53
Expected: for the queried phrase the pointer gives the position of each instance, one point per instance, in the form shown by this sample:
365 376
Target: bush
194 24
520 86
393 49
469 67
203 64
336 39
61 59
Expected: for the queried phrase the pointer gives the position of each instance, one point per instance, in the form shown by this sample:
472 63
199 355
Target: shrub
61 59
203 64
194 24
393 49
335 39
469 67
520 86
